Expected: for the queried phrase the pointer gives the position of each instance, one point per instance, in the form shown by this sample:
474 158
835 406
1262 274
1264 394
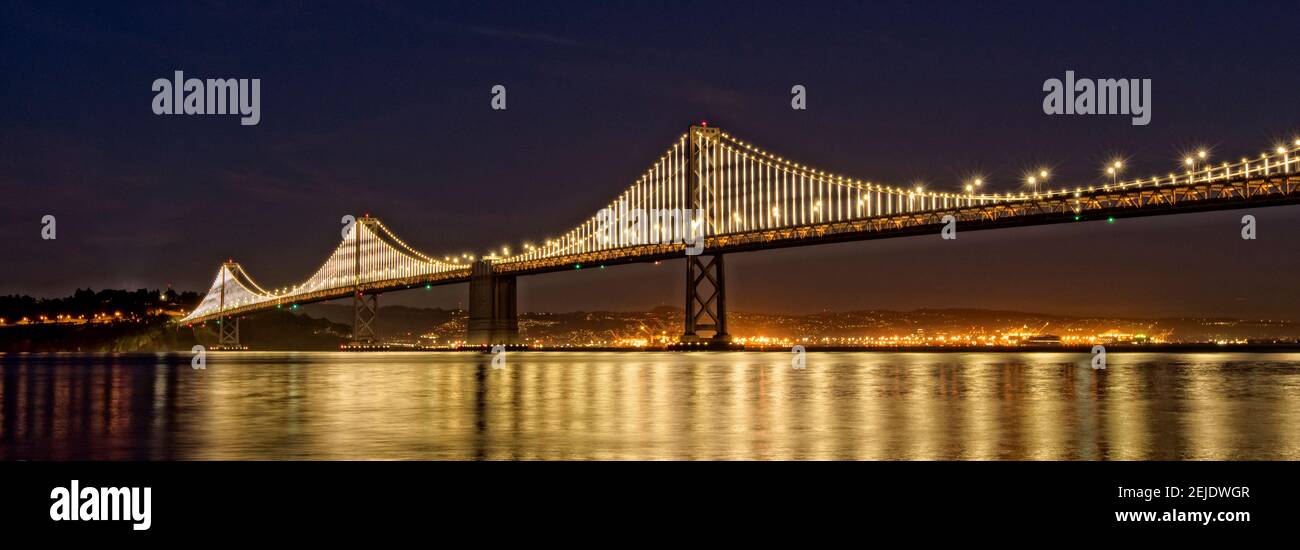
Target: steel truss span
713 189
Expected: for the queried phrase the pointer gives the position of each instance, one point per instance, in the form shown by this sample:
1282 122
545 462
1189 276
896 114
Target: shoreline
1086 350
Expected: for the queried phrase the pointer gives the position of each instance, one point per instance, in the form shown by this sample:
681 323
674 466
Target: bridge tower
492 299
706 290
227 331
365 307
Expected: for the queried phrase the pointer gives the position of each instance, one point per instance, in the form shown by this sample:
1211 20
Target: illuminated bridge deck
737 198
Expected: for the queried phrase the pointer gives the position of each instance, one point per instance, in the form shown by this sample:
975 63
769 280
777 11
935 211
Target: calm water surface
545 406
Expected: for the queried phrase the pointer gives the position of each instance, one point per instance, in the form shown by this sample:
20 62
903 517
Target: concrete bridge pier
492 299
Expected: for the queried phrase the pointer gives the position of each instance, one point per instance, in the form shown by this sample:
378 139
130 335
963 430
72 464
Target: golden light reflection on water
545 406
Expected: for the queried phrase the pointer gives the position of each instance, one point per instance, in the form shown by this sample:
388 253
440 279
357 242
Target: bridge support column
706 288
706 300
228 332
492 298
365 309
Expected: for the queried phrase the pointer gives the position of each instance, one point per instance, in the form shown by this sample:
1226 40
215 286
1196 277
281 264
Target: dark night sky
384 108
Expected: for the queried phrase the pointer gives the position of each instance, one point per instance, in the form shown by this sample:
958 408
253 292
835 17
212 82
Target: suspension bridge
711 194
